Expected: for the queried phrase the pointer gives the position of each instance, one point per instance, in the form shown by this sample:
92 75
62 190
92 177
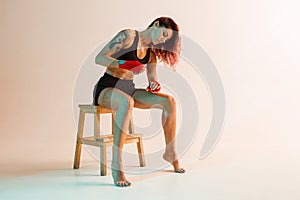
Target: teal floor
252 174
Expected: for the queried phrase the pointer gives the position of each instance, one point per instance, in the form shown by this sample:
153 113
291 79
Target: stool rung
108 138
89 141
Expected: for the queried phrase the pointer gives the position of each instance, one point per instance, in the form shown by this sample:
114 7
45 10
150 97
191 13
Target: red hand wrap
157 89
132 65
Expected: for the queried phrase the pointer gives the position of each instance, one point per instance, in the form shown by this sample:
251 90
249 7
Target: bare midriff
123 74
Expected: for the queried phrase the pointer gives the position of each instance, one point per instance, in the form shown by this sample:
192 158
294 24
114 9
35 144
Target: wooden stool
102 141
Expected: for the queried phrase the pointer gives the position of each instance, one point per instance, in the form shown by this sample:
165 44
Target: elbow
98 60
103 60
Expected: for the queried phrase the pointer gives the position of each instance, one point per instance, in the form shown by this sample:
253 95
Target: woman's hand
153 87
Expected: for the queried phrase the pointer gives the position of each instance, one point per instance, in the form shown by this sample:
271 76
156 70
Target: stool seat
91 109
105 140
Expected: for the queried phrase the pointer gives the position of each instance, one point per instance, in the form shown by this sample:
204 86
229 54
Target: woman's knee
169 102
127 103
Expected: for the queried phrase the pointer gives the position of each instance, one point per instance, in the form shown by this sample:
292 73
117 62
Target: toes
127 183
123 184
119 184
181 170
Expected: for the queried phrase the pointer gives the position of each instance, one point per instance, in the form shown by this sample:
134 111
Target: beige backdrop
254 44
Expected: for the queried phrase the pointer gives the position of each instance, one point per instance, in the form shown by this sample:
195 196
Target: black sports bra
131 52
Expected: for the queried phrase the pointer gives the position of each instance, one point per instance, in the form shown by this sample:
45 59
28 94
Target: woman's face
160 34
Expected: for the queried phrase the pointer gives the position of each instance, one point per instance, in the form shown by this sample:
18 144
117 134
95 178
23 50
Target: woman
125 56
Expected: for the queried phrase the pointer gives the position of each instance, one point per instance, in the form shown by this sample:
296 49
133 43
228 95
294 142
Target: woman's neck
144 38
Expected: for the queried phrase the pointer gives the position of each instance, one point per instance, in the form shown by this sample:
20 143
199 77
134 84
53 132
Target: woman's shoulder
129 32
129 35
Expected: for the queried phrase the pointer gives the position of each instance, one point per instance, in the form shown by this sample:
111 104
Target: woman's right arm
120 41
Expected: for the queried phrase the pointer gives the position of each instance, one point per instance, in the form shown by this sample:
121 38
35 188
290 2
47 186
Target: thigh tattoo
105 99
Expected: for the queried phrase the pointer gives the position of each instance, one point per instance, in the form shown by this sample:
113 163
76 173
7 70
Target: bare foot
172 158
119 178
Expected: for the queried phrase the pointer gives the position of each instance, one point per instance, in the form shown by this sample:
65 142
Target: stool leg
78 140
96 125
141 152
103 171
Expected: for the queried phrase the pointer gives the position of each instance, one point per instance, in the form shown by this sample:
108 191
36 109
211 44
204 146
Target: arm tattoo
117 40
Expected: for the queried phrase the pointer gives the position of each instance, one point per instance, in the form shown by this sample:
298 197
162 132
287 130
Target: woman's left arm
151 68
154 85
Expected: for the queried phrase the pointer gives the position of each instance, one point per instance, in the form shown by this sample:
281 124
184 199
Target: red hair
169 51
